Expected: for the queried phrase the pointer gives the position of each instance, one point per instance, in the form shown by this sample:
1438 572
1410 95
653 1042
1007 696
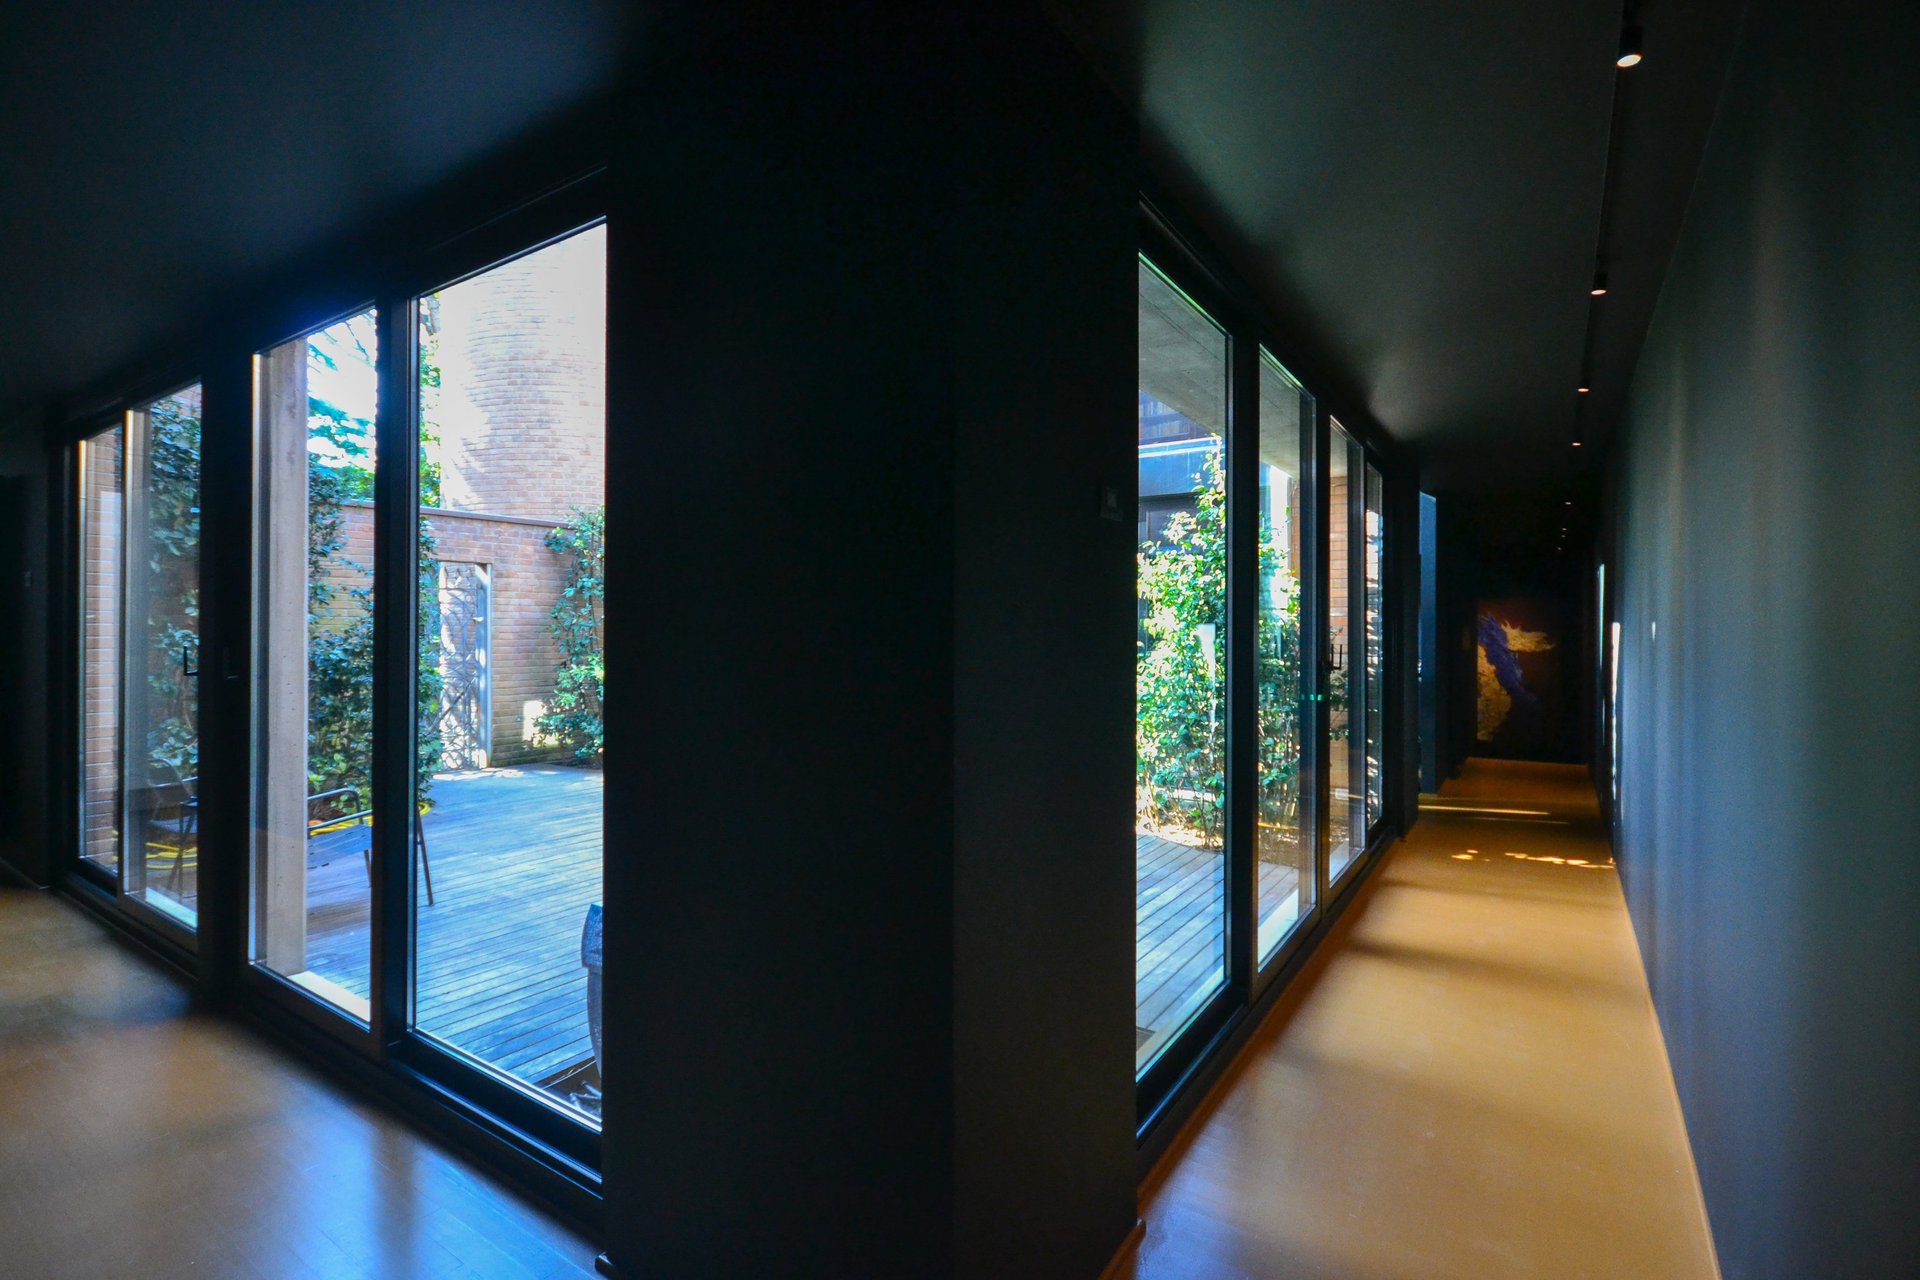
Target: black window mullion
226 627
1242 661
395 613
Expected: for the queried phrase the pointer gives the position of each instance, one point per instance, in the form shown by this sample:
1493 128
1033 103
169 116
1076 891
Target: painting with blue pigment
1521 711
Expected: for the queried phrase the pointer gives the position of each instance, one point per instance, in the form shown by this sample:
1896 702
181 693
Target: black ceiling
153 157
1415 187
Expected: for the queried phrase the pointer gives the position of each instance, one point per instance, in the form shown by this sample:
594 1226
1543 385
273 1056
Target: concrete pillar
137 785
280 842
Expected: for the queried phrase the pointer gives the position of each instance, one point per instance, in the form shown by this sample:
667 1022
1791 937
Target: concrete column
136 781
280 842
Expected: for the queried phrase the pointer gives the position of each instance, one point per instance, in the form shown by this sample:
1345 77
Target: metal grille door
466 724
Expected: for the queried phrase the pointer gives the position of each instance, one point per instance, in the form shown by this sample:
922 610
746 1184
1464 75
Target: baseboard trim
12 875
1126 1250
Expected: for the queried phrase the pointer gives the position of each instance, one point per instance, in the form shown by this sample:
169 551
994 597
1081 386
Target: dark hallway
1033 639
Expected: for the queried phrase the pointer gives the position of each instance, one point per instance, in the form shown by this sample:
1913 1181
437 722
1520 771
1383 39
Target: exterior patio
515 855
1179 922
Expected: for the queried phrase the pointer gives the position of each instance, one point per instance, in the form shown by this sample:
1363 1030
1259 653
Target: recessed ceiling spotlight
1576 444
1632 48
1599 289
1584 390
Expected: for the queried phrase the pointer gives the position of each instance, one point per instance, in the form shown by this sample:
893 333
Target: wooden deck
516 855
1179 921
516 862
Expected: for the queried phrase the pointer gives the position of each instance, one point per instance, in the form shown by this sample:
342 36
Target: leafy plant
171 546
1180 682
340 633
574 717
1180 711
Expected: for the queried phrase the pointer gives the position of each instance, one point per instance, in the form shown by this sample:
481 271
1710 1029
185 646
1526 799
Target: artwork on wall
1522 689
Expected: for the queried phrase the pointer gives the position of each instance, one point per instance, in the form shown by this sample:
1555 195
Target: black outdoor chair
339 836
172 817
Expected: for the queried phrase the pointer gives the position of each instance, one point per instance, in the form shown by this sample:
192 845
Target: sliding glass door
139 656
316 400
1373 661
510 667
1180 718
1260 666
1349 652
429 497
1284 888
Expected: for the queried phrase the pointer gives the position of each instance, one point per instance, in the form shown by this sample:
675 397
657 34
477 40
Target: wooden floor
516 857
1466 1081
140 1139
1179 921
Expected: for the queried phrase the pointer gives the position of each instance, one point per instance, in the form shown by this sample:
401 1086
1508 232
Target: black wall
1768 529
23 662
873 1005
1046 365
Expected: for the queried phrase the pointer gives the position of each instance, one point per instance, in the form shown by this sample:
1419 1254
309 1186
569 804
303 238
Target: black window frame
168 938
545 1151
1171 1083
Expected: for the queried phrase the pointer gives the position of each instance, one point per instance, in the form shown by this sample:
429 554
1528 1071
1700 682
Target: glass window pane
1284 889
1180 707
1376 652
102 510
512 551
1346 689
315 403
160 697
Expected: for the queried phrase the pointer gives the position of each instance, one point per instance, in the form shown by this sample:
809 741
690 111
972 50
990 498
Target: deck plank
516 857
516 861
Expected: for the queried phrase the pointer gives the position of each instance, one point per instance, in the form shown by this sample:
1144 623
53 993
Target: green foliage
171 547
1180 709
430 396
340 633
574 717
339 646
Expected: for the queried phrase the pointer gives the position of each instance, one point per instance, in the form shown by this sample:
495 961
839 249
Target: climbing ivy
574 718
340 631
1180 716
170 548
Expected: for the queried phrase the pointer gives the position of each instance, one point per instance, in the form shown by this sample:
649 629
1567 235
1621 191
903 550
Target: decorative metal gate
466 721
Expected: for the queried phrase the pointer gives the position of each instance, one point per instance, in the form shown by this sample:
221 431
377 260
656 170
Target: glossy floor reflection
138 1138
1469 1082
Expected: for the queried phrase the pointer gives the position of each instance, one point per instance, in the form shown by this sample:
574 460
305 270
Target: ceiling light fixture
1585 390
1632 48
1599 289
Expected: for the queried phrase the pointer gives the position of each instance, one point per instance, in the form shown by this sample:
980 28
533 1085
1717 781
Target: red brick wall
522 399
527 579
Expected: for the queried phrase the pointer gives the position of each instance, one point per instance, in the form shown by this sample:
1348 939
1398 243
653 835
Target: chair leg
420 838
179 855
